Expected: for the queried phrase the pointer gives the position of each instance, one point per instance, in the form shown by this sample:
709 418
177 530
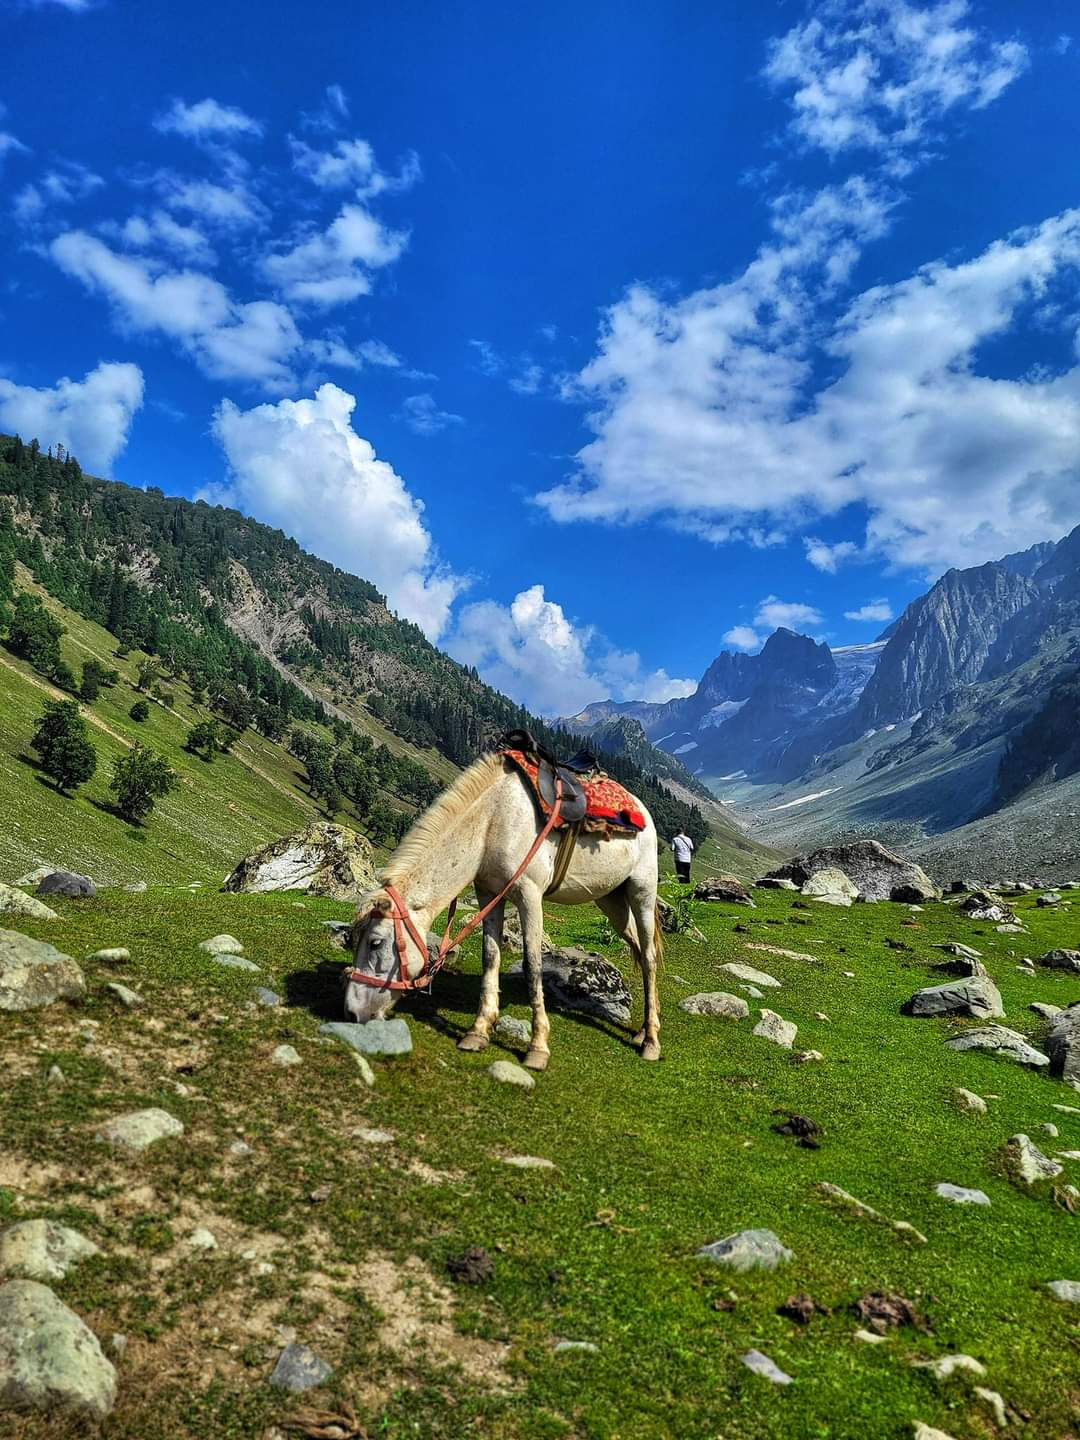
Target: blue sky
599 336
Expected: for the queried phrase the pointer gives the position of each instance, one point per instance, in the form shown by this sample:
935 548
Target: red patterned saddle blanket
610 809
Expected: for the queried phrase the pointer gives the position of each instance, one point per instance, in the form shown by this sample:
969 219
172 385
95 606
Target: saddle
591 800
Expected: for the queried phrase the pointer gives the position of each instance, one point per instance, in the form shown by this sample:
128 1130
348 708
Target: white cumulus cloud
773 613
90 417
206 120
742 637
333 266
300 465
879 610
531 650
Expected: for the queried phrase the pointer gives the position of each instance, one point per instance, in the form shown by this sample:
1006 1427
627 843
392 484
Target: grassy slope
666 1158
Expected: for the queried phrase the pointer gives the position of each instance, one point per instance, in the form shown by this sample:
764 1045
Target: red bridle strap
403 920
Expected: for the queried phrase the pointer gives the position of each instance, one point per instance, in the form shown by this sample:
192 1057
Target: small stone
959 1195
299 1369
775 1028
42 1249
848 974
34 974
869 1338
367 1074
561 1347
1048 1128
747 972
761 1365
239 1147
135 887
1066 1109
947 1365
202 1239
56 1076
1045 1011
285 1055
528 1162
115 955
806 1057
33 877
128 998
371 1136
118 1343
753 992
222 945
507 1073
968 1100
820 1015
996 1403
512 1031
236 962
49 1359
140 1129
1067 1290
265 997
927 1432
1026 1162
716 1003
375 1037
748 1250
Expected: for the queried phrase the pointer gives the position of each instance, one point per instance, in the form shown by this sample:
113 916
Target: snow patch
803 799
682 749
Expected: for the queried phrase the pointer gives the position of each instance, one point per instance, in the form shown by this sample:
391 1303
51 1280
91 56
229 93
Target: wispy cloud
878 610
206 120
422 414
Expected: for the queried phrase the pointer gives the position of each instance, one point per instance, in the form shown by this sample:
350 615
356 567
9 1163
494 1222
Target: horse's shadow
320 990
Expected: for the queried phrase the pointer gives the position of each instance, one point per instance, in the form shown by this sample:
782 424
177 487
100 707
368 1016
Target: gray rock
222 945
1026 1162
1010 929
965 952
140 1129
14 902
773 882
135 887
507 1073
1063 1044
369 1135
561 1347
512 1031
960 1195
878 873
325 859
727 888
49 1360
266 997
115 955
761 1365
367 1074
1045 1011
978 996
968 1100
1067 1290
376 1037
1061 960
582 980
753 992
984 905
843 900
284 1056
830 882
999 1040
34 973
42 1249
66 882
748 1250
128 998
299 1369
775 1028
528 1162
752 976
922 1431
1050 898
716 1002
236 962
33 877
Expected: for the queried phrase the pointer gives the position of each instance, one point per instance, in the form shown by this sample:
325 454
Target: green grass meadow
653 1162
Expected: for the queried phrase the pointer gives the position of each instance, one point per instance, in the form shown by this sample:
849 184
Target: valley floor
331 1232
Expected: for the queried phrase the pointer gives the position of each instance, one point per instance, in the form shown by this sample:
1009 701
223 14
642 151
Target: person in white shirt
682 847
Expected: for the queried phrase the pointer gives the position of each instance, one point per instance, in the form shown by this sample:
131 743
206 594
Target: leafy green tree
64 676
148 674
140 711
203 739
34 634
95 678
140 779
63 745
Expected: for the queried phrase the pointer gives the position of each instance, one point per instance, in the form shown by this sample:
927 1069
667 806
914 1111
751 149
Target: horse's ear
382 904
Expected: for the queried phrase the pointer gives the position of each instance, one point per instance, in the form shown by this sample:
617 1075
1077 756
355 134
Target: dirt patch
417 1310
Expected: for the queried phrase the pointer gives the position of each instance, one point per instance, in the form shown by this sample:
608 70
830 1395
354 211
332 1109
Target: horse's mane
432 825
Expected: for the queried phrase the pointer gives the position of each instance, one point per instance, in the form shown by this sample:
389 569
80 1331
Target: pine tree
63 745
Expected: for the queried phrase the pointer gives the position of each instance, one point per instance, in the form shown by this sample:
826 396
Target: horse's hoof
537 1060
473 1041
651 1050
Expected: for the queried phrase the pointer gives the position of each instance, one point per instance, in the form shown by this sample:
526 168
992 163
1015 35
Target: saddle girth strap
563 857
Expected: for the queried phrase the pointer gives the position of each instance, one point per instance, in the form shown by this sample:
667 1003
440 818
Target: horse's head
375 940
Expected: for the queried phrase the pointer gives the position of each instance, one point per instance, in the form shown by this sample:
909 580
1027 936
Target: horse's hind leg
642 902
478 1037
616 907
531 910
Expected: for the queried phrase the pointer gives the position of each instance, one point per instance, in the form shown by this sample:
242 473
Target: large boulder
723 887
977 996
1061 960
985 905
1063 1045
324 859
999 1040
582 980
877 873
34 973
830 883
14 902
66 882
49 1360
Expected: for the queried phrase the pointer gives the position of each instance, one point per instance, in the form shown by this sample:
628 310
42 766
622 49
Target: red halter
403 921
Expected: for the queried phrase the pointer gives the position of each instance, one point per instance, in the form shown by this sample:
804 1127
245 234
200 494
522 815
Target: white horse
477 833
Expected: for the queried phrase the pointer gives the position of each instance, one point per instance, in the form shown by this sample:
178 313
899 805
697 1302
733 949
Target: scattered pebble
959 1195
927 1432
285 1055
761 1365
507 1073
869 1338
299 1369
128 998
239 1147
140 1129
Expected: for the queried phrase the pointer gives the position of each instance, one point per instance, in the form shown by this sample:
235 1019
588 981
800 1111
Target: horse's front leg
478 1037
531 910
